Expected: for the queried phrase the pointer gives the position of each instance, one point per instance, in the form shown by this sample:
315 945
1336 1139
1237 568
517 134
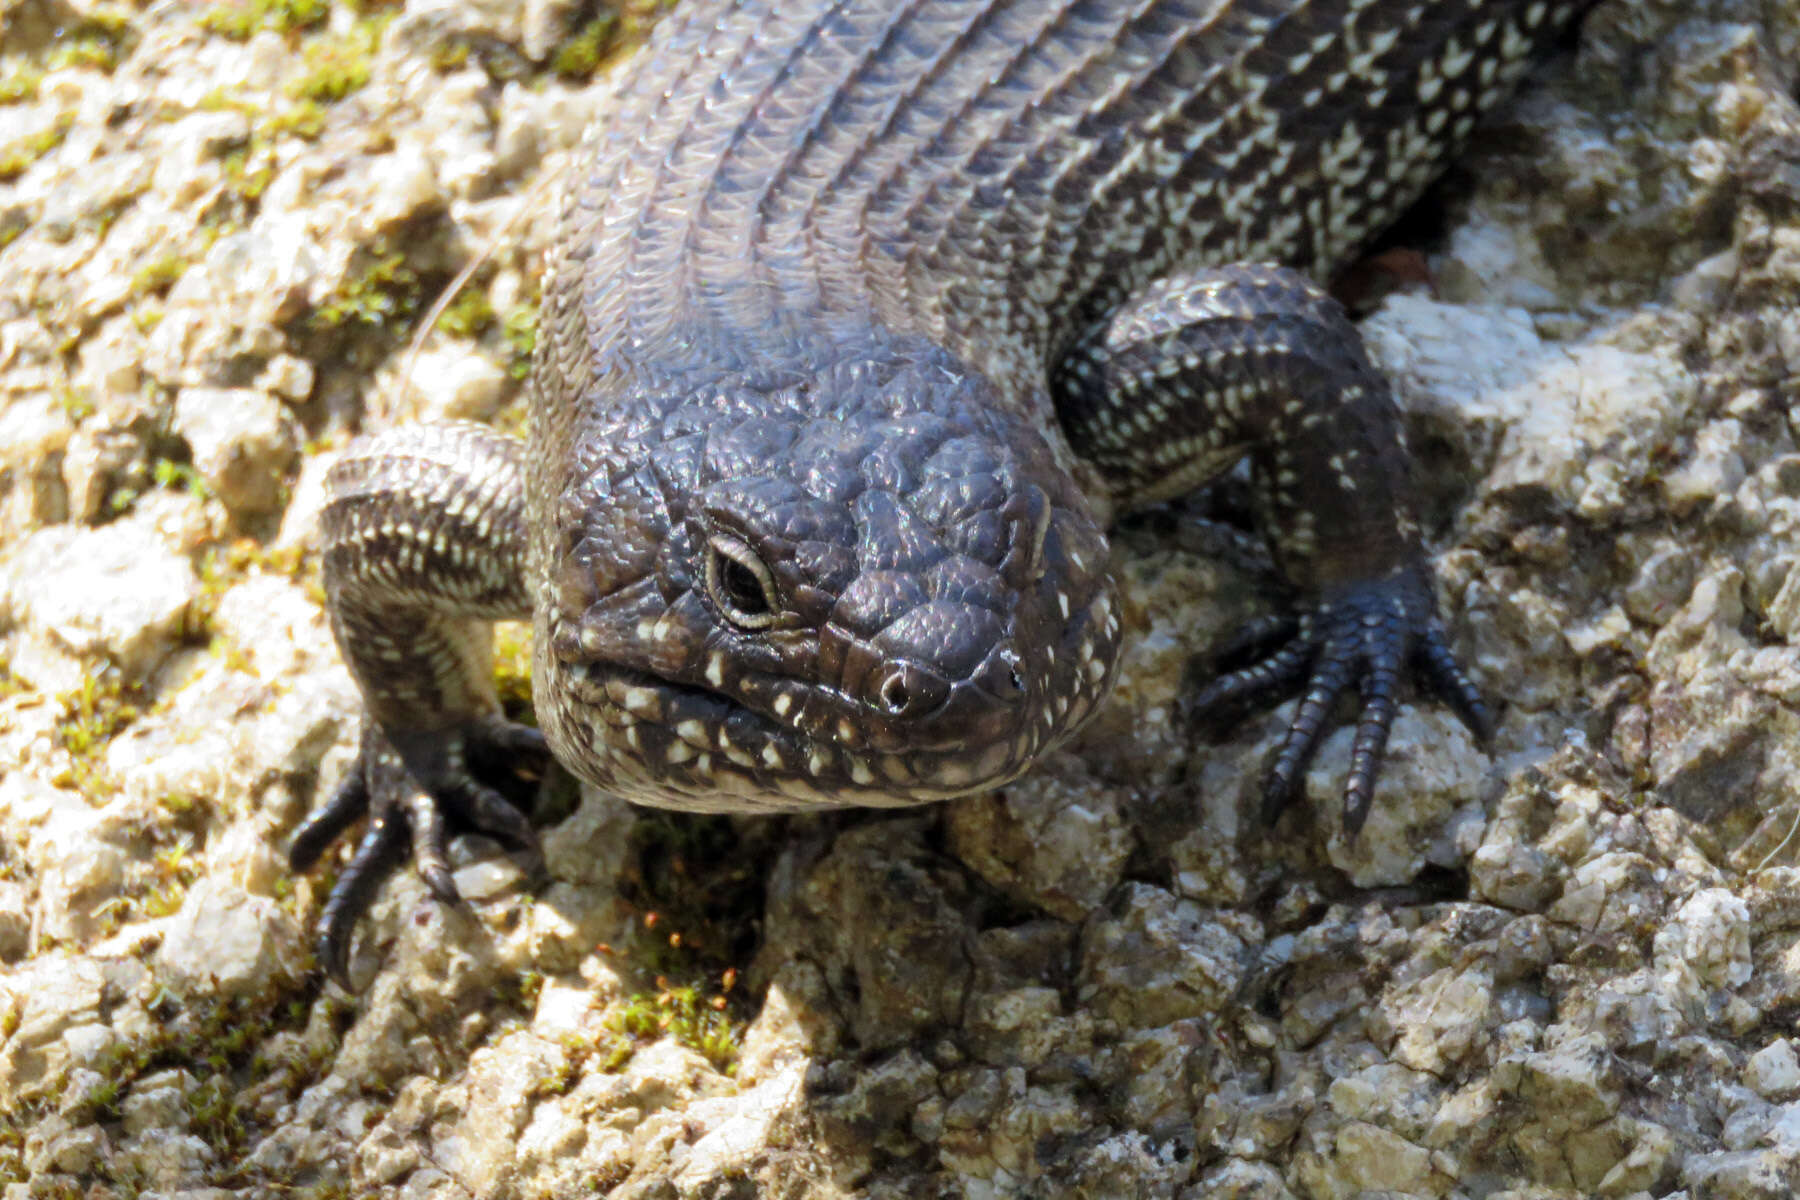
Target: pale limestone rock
243 444
226 942
1774 1071
457 383
101 594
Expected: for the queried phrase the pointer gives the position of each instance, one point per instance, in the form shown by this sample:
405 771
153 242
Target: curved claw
1361 636
1447 678
1282 782
1372 728
349 801
484 810
381 850
417 789
430 846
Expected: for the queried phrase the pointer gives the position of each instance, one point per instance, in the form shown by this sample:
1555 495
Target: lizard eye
740 584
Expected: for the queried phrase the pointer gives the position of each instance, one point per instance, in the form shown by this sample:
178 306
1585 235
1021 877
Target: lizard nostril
894 693
906 690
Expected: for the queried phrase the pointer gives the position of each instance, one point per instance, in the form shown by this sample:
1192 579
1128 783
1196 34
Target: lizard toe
1364 637
418 789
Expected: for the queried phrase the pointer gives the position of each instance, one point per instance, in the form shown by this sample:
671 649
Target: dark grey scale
864 320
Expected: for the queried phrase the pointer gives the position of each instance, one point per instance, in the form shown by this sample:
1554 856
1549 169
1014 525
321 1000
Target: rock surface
1568 967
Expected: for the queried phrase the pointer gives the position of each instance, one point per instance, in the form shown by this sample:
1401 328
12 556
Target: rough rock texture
1567 967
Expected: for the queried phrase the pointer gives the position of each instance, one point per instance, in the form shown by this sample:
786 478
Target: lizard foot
417 789
1362 635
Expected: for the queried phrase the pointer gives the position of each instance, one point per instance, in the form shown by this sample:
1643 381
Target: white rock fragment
288 376
404 184
158 1101
34 431
243 444
1047 840
457 382
1774 1071
1433 769
1154 958
225 941
1715 470
1709 935
108 594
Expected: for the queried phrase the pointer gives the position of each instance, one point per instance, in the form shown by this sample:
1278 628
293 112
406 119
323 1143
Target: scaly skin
864 321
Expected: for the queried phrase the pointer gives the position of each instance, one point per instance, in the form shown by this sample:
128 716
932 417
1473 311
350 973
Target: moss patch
380 291
16 157
338 64
469 315
702 1023
98 40
520 329
158 275
280 1044
580 56
240 20
604 38
92 715
19 81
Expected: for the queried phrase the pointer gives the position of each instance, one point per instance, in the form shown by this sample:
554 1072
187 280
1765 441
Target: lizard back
994 176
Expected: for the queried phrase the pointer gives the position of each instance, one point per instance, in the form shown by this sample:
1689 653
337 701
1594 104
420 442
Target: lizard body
860 326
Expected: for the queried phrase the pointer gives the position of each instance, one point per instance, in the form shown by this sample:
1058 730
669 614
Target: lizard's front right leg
1207 367
424 548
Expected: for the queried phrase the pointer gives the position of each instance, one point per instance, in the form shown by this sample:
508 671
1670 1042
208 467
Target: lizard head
864 584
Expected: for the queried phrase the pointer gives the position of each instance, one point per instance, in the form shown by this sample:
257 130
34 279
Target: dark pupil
742 588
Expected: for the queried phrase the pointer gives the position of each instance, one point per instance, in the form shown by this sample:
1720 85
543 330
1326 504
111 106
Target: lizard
862 322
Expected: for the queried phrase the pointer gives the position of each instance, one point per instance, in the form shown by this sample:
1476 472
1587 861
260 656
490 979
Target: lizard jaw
675 744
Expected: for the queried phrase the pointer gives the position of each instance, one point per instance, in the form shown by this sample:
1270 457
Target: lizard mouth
790 745
661 741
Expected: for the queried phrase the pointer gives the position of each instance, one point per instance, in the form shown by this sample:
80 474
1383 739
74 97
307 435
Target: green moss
512 666
248 173
17 156
158 275
19 81
76 404
92 715
580 56
181 477
450 55
383 291
233 655
701 1023
469 315
302 119
218 1043
338 64
520 330
221 100
99 40
604 38
241 20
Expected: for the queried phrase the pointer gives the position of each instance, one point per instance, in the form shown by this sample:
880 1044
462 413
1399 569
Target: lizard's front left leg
424 548
1204 369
